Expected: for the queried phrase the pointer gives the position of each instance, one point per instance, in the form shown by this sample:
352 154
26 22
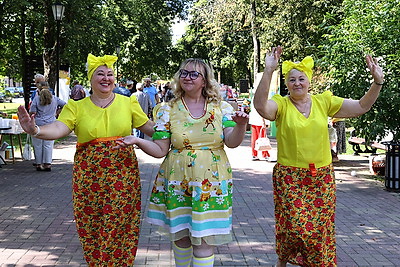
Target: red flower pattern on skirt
106 198
305 215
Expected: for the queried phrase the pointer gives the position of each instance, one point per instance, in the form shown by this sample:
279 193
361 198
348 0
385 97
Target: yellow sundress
192 193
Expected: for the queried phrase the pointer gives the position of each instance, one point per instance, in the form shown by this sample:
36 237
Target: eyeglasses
193 75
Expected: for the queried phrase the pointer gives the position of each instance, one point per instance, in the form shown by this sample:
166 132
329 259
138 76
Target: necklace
305 106
106 105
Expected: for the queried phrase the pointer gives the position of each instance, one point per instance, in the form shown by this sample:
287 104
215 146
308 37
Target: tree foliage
142 28
368 27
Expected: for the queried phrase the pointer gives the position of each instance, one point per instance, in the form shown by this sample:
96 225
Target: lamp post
58 13
117 49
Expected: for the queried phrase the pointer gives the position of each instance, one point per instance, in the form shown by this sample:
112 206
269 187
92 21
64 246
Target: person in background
259 127
44 107
106 183
77 91
38 78
168 92
149 89
145 104
192 193
131 86
340 125
303 178
121 89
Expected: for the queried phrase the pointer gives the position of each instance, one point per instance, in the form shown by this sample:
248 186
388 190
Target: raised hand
27 121
272 58
375 69
241 118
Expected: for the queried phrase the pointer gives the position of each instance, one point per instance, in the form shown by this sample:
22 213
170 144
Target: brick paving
37 227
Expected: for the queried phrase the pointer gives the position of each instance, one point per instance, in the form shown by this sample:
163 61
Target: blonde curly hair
211 91
44 93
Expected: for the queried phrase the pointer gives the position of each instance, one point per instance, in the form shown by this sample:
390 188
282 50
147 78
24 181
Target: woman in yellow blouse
303 178
106 184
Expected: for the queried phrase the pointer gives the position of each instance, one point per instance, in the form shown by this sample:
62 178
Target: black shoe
47 169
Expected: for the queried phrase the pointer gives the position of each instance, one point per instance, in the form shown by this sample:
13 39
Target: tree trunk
256 42
49 53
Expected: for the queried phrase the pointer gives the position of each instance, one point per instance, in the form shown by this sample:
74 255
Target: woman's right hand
27 121
126 141
272 58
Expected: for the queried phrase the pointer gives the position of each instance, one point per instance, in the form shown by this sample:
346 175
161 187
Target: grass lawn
9 108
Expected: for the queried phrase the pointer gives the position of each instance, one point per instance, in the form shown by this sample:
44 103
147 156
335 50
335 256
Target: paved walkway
37 227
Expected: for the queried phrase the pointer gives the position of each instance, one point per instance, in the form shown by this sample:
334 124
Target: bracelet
37 132
379 83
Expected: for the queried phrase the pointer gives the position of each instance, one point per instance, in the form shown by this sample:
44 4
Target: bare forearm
50 131
262 92
370 97
235 135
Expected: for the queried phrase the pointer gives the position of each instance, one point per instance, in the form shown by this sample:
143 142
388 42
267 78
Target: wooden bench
371 147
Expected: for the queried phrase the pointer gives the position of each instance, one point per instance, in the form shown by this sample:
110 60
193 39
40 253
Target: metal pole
58 59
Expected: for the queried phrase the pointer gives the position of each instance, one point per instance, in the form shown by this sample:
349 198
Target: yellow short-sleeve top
89 121
302 140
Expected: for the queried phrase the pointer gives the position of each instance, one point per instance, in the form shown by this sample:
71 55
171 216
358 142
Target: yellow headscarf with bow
305 66
94 62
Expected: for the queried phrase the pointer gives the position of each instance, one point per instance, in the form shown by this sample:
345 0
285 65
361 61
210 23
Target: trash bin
392 167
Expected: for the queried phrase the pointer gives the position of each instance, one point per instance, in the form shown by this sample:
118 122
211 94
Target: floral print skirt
305 215
106 201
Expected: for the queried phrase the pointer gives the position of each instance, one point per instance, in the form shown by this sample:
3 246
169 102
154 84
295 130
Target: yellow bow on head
305 66
94 62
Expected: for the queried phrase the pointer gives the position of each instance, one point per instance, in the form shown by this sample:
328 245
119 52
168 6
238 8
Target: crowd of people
189 123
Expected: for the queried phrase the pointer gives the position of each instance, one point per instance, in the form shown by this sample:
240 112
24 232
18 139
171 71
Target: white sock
203 262
183 256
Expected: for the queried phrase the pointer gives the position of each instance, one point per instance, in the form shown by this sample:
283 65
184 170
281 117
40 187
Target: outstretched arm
354 108
267 108
155 148
50 131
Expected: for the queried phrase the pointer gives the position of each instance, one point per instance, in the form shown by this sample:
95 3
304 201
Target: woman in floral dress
192 193
106 184
303 178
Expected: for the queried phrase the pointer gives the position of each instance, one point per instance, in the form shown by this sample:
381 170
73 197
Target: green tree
368 27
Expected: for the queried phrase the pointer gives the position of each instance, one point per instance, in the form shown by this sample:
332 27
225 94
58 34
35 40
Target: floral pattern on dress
107 205
304 215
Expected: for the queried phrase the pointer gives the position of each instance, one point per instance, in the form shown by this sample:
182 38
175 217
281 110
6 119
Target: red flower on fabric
95 187
139 205
118 253
127 208
82 232
318 247
104 163
96 254
119 185
88 210
105 257
107 209
328 178
318 202
298 203
128 162
307 181
309 226
84 165
288 179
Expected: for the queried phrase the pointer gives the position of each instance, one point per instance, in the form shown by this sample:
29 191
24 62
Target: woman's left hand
241 118
375 69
